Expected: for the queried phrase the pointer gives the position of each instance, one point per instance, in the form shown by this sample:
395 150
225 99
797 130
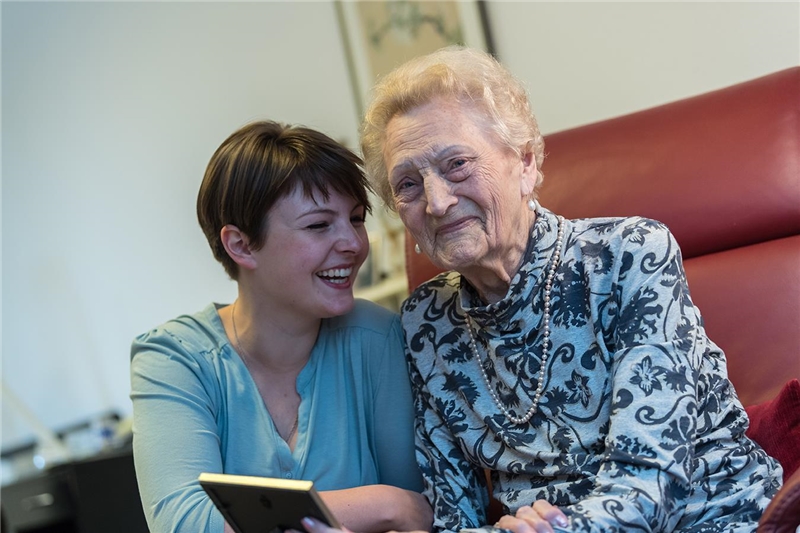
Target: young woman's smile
312 252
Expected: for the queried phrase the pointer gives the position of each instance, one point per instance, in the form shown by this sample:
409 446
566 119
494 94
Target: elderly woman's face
459 191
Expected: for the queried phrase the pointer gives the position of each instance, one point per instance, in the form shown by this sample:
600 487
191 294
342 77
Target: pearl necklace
247 357
548 286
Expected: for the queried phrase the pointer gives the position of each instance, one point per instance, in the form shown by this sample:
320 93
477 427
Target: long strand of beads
548 287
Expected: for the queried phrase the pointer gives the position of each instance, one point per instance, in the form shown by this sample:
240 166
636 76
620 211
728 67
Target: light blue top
197 409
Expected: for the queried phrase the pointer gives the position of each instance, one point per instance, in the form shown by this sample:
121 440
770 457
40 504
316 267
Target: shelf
394 286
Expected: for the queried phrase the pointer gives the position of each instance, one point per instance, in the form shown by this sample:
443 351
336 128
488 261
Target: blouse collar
517 312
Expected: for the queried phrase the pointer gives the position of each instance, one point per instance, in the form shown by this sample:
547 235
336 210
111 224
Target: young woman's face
312 252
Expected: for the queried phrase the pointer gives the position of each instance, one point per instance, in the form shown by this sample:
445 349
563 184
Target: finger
514 524
551 513
526 522
313 525
536 521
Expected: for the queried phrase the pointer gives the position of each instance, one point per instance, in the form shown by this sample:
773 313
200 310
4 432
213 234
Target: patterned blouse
638 427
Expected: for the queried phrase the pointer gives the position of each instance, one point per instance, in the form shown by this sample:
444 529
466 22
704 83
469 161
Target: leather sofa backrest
722 170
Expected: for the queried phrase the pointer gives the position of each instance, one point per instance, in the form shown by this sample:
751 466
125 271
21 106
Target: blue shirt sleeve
174 409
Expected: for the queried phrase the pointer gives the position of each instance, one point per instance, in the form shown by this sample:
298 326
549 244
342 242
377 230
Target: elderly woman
565 357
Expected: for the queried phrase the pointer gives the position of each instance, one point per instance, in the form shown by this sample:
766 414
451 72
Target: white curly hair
465 75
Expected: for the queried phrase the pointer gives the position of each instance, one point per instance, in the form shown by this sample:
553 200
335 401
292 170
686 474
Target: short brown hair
263 162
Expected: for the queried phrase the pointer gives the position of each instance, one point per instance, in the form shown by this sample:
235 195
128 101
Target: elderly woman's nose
438 194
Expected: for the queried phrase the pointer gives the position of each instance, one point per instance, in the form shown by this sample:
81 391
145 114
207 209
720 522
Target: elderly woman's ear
529 171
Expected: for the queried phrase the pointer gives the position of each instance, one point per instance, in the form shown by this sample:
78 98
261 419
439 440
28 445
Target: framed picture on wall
380 35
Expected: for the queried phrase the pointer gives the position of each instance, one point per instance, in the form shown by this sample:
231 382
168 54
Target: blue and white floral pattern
638 429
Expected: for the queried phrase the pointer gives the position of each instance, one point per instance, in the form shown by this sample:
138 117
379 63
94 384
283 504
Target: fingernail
561 521
308 523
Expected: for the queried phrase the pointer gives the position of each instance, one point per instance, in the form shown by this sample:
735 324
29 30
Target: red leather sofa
722 170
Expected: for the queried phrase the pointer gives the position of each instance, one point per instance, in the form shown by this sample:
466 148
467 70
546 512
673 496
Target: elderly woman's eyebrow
455 149
432 154
406 165
436 153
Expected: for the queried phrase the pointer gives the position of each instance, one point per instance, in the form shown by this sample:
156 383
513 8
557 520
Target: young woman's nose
352 239
438 194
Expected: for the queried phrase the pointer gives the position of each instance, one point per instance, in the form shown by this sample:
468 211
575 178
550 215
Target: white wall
586 61
110 112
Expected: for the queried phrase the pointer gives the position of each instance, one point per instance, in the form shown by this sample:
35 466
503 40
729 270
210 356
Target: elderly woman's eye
405 184
456 164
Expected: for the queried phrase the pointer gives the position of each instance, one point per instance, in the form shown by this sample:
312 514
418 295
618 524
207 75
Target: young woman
296 378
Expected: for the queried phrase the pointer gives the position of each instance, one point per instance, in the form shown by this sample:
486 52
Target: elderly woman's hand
534 518
313 525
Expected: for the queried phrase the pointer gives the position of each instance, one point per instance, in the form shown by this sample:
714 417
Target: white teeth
336 273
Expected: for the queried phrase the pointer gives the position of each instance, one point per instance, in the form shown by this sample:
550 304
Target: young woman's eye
318 225
358 219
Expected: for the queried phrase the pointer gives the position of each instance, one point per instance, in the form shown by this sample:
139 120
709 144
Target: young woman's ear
237 245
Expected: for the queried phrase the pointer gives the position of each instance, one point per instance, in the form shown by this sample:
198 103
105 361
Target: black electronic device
253 504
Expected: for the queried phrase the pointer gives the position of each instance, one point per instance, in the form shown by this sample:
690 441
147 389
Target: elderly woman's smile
460 191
